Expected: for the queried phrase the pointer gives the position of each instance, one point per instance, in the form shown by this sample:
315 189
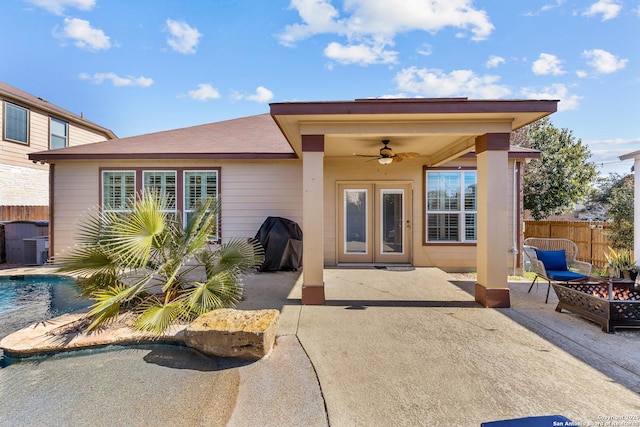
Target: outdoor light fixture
385 160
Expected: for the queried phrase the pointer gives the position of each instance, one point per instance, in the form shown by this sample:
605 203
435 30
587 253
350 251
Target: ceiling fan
387 156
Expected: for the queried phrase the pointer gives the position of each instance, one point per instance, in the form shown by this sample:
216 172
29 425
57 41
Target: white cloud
494 61
116 80
436 83
182 37
319 17
550 6
359 54
609 150
604 62
547 64
57 7
555 91
582 74
609 9
371 26
425 50
545 8
84 35
261 96
204 92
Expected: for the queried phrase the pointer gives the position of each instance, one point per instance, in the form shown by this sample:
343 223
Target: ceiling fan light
385 160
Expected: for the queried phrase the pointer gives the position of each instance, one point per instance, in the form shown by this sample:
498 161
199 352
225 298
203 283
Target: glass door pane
392 221
355 221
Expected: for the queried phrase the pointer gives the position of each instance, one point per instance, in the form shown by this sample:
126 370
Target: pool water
25 300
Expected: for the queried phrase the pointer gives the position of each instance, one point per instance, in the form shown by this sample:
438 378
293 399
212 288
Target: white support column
313 219
493 239
636 210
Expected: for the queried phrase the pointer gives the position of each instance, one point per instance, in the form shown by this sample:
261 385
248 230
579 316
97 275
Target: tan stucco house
30 124
443 192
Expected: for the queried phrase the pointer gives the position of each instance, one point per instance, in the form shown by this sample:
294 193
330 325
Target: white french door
374 223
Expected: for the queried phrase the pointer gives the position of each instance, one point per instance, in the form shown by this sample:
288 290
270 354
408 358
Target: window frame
462 212
5 123
52 135
180 187
146 172
185 212
103 173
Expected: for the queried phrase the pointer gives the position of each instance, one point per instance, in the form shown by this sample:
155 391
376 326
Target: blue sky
140 66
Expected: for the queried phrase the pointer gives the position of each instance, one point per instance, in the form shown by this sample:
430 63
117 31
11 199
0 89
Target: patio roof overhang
438 129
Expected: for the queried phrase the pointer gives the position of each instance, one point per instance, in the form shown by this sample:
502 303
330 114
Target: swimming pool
28 299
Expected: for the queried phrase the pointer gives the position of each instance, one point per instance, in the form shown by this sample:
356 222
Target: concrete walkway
407 348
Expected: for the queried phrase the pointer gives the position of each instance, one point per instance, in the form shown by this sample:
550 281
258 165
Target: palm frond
97 281
91 225
132 235
108 303
86 260
156 317
203 224
222 290
237 255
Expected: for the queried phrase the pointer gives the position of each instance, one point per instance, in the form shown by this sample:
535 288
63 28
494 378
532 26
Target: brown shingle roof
252 137
18 96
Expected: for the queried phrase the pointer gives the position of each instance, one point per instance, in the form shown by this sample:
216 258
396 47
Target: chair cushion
564 275
552 260
540 421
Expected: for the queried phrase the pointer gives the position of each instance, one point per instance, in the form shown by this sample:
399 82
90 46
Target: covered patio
438 131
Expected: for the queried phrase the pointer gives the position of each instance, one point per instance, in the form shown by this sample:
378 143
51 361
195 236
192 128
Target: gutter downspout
514 248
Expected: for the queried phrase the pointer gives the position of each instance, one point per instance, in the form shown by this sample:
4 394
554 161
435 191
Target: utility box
36 250
15 234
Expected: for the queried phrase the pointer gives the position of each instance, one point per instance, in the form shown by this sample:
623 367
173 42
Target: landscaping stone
234 333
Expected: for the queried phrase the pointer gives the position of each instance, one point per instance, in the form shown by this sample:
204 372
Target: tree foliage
143 260
562 175
615 193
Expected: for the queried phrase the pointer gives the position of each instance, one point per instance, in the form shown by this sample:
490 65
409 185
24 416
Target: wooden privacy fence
591 237
24 213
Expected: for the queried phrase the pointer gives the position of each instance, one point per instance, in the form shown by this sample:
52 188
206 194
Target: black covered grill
282 242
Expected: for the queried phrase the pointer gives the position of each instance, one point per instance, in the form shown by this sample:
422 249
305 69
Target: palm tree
143 260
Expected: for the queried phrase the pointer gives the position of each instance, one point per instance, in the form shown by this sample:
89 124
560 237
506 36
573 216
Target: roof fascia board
417 106
48 156
54 110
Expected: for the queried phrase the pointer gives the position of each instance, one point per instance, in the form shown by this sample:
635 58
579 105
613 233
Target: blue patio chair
541 421
555 260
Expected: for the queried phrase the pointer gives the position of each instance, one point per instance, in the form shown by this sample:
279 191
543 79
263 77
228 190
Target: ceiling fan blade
407 155
365 155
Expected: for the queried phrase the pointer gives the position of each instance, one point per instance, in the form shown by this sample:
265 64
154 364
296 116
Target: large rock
233 333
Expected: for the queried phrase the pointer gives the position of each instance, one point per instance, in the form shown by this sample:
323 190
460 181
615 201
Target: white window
198 185
165 183
451 206
16 123
59 133
117 188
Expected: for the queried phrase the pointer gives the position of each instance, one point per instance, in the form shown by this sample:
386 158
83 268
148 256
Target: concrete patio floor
413 348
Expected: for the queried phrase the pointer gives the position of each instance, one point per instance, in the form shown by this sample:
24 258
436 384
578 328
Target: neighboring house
453 202
580 212
30 124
